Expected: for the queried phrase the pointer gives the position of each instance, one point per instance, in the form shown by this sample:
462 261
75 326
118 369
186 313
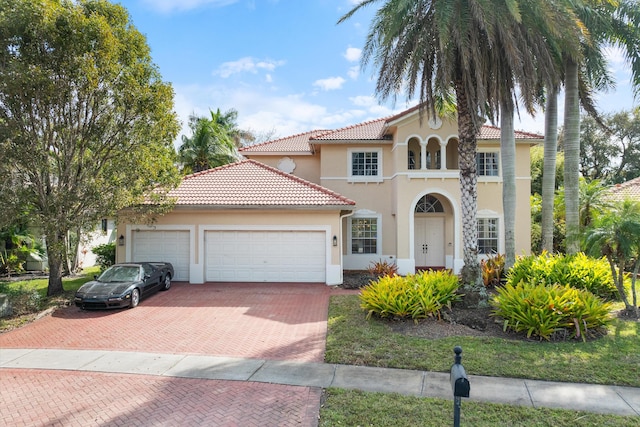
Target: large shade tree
86 122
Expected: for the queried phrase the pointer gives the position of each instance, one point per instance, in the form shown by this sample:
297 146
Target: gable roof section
296 143
371 130
248 184
626 190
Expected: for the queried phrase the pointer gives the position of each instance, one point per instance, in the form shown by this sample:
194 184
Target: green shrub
382 268
549 311
106 255
578 271
417 295
492 269
23 300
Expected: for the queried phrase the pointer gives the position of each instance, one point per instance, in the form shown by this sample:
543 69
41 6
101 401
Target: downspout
340 247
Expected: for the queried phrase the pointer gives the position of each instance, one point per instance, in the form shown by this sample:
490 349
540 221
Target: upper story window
365 165
487 163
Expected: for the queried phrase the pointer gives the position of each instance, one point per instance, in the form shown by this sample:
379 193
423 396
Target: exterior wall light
121 240
335 240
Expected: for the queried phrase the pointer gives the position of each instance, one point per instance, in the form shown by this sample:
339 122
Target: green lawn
613 359
357 408
351 339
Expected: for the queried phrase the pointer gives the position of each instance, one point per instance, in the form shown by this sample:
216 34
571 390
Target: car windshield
119 273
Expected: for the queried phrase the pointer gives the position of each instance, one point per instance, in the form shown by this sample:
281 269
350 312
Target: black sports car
122 285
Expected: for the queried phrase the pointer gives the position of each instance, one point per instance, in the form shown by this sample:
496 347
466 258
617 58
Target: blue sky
284 65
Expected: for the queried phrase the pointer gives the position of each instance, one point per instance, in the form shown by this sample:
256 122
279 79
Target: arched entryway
432 220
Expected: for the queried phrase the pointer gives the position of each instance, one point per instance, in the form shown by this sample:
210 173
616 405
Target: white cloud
246 64
352 54
354 72
332 83
363 101
167 6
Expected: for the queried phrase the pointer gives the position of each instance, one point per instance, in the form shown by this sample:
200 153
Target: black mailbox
459 381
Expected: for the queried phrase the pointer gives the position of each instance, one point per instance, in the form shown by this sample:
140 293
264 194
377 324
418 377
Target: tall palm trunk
572 156
508 164
473 286
549 167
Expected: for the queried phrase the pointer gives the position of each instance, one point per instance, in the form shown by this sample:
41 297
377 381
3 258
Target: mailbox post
459 384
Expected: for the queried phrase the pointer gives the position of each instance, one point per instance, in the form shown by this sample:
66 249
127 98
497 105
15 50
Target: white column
443 155
423 155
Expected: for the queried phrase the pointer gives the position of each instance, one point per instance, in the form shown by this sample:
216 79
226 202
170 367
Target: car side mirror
95 277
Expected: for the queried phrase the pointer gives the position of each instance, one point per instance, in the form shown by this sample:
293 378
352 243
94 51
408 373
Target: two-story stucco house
306 207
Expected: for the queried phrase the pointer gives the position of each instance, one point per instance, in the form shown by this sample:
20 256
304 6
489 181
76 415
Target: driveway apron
265 321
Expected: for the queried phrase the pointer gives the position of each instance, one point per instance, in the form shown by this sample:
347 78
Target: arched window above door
429 204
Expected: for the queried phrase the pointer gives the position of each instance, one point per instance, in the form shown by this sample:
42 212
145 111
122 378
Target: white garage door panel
265 256
168 246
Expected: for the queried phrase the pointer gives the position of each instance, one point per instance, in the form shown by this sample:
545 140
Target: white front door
429 242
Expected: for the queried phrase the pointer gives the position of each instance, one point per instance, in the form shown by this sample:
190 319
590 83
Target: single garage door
168 246
265 256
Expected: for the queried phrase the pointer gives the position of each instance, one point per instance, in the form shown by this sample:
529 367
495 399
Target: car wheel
135 298
167 282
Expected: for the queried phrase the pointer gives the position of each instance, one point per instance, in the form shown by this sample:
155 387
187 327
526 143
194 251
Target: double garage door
265 256
240 255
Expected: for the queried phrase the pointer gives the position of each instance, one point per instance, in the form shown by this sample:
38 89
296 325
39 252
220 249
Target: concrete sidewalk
586 397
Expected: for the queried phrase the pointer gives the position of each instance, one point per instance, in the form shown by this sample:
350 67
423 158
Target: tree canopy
86 122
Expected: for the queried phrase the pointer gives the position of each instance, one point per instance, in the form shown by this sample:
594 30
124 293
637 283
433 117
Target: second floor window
487 163
364 163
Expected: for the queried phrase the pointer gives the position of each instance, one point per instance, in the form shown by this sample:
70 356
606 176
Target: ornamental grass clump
550 312
416 296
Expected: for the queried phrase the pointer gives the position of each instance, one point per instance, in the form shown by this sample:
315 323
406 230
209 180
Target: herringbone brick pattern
62 398
267 321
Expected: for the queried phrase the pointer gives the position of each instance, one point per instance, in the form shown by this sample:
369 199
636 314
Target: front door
429 241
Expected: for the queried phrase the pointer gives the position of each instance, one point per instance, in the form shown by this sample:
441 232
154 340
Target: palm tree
607 22
616 235
534 35
229 121
210 145
439 45
549 167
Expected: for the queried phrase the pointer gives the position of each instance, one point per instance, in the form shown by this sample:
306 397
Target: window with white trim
487 236
364 235
488 163
365 165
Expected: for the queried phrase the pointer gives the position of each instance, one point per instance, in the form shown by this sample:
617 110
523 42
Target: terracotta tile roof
250 183
374 129
367 131
493 132
295 143
626 190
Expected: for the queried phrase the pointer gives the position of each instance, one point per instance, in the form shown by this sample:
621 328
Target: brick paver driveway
266 321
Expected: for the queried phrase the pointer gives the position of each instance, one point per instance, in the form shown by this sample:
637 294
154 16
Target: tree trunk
634 297
572 157
508 164
55 253
618 280
473 286
549 168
